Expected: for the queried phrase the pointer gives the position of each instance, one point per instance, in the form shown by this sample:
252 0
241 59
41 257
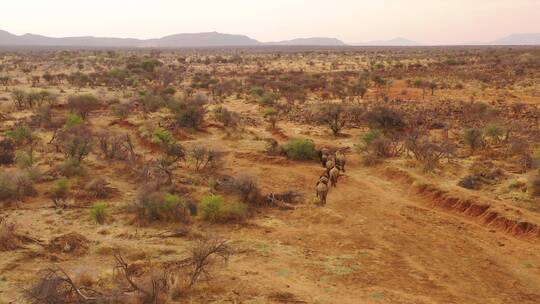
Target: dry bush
247 187
204 254
69 243
149 289
471 182
204 157
98 188
487 170
535 185
521 149
42 116
60 192
131 283
226 117
375 145
16 185
191 113
272 147
478 113
121 110
55 287
9 239
74 141
284 200
114 146
7 151
481 173
425 151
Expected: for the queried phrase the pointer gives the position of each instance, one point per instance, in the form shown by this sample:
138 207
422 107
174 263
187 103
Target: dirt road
375 242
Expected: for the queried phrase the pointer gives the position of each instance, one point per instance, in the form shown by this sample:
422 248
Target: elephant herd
334 164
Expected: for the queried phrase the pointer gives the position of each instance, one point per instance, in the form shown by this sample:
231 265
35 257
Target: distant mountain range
209 39
392 42
519 39
310 41
215 39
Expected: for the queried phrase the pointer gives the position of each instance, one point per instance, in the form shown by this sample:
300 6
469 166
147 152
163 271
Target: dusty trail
377 242
465 261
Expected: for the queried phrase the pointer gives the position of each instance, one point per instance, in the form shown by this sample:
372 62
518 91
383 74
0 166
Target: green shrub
299 149
370 136
61 188
71 167
98 212
211 206
474 138
494 131
257 91
151 103
271 115
77 147
214 209
73 119
161 137
21 134
191 117
374 146
160 206
234 212
267 99
171 206
24 159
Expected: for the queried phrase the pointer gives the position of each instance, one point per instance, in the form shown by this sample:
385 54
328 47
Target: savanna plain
207 175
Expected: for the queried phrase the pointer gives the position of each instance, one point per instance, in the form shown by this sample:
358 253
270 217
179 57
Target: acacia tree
271 115
359 89
19 96
332 114
83 104
5 80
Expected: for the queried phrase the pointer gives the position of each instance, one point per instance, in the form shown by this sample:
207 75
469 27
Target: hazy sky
426 21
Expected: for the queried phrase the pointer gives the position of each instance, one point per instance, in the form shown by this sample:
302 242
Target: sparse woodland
188 176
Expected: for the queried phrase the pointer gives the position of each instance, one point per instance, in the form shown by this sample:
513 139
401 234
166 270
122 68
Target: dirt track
374 242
